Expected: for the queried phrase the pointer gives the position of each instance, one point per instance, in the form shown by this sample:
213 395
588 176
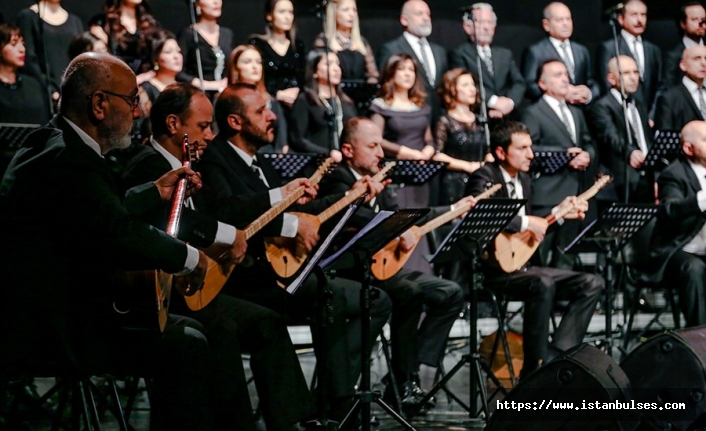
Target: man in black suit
686 101
231 167
632 18
556 126
538 287
692 27
678 246
62 210
502 80
431 57
411 291
608 122
182 109
559 26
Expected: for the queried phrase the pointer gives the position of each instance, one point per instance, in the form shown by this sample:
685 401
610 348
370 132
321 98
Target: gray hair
483 6
83 77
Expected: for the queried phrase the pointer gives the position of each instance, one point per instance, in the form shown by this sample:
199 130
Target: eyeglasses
133 101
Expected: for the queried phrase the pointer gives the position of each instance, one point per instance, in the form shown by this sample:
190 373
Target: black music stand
322 422
665 148
414 172
480 226
361 92
290 165
550 162
606 236
358 253
12 136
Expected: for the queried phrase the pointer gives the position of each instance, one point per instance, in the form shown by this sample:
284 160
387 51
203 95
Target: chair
636 261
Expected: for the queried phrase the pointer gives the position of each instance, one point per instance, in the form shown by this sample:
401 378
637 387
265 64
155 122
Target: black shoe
420 393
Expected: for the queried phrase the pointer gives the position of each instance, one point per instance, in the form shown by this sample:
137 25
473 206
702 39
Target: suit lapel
549 113
238 166
690 100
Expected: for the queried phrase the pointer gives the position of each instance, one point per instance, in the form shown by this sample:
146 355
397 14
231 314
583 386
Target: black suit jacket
401 45
675 108
542 51
650 84
506 79
309 130
490 174
672 73
679 218
608 124
146 165
549 134
69 229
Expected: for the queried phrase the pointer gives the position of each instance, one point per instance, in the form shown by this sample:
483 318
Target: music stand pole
482 117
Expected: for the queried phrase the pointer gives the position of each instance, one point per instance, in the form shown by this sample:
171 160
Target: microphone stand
199 67
624 103
320 10
45 59
482 117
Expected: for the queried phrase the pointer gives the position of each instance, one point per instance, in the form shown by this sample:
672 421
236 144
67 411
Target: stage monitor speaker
573 392
670 368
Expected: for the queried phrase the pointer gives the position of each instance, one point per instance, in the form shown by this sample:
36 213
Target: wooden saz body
281 252
219 270
145 306
514 250
390 259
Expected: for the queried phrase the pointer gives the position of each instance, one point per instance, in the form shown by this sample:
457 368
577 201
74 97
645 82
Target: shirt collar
553 103
617 95
173 161
506 177
355 173
84 137
699 170
690 85
412 39
688 43
630 38
557 43
247 158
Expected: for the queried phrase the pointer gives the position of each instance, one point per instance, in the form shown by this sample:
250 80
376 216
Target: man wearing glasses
69 230
692 27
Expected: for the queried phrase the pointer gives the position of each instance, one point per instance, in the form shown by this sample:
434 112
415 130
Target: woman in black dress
22 98
343 35
214 43
283 54
126 25
322 109
460 140
245 65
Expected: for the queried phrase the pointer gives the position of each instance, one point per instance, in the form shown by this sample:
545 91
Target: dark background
519 21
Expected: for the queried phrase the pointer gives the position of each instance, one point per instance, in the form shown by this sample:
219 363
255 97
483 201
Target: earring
198 11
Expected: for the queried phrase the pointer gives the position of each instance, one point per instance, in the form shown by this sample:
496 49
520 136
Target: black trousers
234 326
343 338
539 287
688 271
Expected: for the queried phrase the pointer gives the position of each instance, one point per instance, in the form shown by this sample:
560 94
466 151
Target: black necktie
511 190
255 166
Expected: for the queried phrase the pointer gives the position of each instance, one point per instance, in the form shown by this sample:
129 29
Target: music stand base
370 397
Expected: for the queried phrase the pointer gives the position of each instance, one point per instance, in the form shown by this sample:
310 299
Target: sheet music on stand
414 172
615 224
306 271
361 92
550 162
290 165
480 226
383 228
665 148
12 136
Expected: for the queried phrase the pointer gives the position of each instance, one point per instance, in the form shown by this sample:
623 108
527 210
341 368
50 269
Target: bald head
88 73
629 70
416 18
361 145
557 21
693 137
693 63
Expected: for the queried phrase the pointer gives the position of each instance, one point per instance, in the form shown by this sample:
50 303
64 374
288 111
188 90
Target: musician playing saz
538 287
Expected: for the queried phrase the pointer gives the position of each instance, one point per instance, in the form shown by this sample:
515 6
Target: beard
422 30
257 137
116 139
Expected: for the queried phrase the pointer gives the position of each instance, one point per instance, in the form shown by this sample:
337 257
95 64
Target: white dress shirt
688 43
557 45
554 104
520 195
639 131
416 47
693 89
225 235
639 54
698 244
192 255
290 223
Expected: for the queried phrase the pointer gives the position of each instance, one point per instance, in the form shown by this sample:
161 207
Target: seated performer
61 211
511 146
678 245
411 291
231 167
182 109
